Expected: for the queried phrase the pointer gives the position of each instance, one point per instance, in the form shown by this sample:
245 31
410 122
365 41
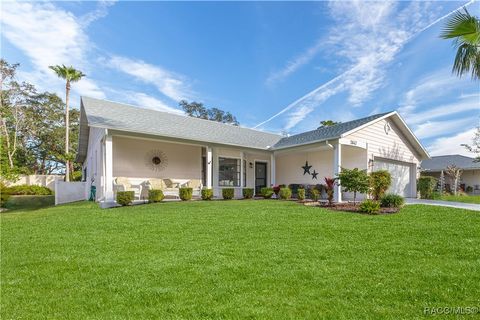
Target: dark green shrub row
266 192
369 206
392 201
426 185
155 195
247 193
26 190
125 198
228 193
285 193
186 193
207 194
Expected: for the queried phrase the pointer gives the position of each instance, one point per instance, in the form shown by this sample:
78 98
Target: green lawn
236 259
467 199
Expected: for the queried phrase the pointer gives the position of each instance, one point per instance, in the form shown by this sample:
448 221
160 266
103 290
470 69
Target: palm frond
68 73
466 59
462 26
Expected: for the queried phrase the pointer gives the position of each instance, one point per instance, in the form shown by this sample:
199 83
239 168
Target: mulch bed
348 207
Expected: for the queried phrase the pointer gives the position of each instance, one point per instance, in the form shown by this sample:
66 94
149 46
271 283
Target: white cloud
48 35
146 101
431 129
100 12
168 83
452 145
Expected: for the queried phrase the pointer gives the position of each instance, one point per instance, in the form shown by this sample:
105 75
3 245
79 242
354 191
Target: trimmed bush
285 193
294 187
315 194
369 206
469 189
228 193
26 190
380 181
266 192
247 193
125 198
426 185
185 193
301 194
155 195
392 201
207 194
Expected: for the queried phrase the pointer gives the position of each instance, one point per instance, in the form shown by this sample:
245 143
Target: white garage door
401 176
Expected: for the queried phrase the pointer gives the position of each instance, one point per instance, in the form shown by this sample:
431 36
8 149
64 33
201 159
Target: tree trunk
67 147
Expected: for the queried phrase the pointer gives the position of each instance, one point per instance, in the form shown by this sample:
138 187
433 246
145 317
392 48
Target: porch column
209 167
109 196
272 169
242 169
337 167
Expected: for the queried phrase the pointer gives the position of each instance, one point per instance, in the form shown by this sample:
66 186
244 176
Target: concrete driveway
460 205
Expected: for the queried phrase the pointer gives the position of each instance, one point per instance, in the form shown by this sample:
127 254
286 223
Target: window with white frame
228 172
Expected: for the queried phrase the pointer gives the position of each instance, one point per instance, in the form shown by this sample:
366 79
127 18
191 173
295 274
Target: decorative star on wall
314 174
306 168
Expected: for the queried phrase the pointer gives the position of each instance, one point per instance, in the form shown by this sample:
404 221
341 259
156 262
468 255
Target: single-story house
125 147
471 170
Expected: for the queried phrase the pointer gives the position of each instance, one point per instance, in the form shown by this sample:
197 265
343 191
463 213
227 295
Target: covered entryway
260 176
403 176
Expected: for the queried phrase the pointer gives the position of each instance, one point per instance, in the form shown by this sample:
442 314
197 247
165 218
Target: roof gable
439 163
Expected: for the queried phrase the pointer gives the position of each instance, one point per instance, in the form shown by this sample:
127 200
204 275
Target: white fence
46 180
66 192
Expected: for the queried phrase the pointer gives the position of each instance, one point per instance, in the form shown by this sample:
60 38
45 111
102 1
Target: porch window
228 172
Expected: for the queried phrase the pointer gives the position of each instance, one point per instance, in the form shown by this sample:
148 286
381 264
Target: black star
314 175
306 168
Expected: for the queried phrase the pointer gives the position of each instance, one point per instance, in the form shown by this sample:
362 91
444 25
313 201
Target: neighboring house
120 143
471 170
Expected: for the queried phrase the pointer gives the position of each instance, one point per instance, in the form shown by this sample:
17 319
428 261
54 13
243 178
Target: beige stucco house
122 146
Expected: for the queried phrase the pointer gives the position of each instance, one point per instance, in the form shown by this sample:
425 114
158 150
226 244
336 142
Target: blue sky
277 66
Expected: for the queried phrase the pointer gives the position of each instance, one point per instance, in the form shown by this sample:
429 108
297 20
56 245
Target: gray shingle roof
441 162
325 133
117 116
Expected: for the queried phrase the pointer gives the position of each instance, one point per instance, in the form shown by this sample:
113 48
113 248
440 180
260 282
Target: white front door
401 173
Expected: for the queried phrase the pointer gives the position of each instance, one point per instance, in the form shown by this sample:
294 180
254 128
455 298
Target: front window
228 172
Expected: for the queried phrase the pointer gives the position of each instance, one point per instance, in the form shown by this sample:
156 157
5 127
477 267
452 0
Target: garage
403 177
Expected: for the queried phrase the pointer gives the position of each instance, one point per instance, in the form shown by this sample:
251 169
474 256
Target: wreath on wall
156 160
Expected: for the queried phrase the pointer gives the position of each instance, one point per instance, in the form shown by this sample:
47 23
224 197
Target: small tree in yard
329 184
380 181
454 173
354 180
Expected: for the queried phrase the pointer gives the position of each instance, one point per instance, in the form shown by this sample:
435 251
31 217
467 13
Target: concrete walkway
460 205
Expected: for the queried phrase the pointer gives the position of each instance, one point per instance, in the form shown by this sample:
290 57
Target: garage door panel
401 177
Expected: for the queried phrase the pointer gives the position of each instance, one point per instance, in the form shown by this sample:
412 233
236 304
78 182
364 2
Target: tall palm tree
465 30
70 74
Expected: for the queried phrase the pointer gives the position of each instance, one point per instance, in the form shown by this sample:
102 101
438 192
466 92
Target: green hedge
380 181
207 194
125 198
392 201
285 193
228 193
155 195
301 194
247 193
186 193
266 192
426 185
369 206
26 190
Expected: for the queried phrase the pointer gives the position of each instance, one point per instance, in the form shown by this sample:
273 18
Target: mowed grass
466 199
236 259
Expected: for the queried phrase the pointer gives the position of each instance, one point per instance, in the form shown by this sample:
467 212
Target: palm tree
69 74
465 30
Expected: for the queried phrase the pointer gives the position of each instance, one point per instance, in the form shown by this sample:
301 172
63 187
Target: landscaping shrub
469 189
207 194
276 189
155 195
301 194
369 206
186 193
266 192
4 195
380 181
426 185
392 201
329 184
354 180
294 187
124 198
315 194
228 193
247 193
26 190
285 193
